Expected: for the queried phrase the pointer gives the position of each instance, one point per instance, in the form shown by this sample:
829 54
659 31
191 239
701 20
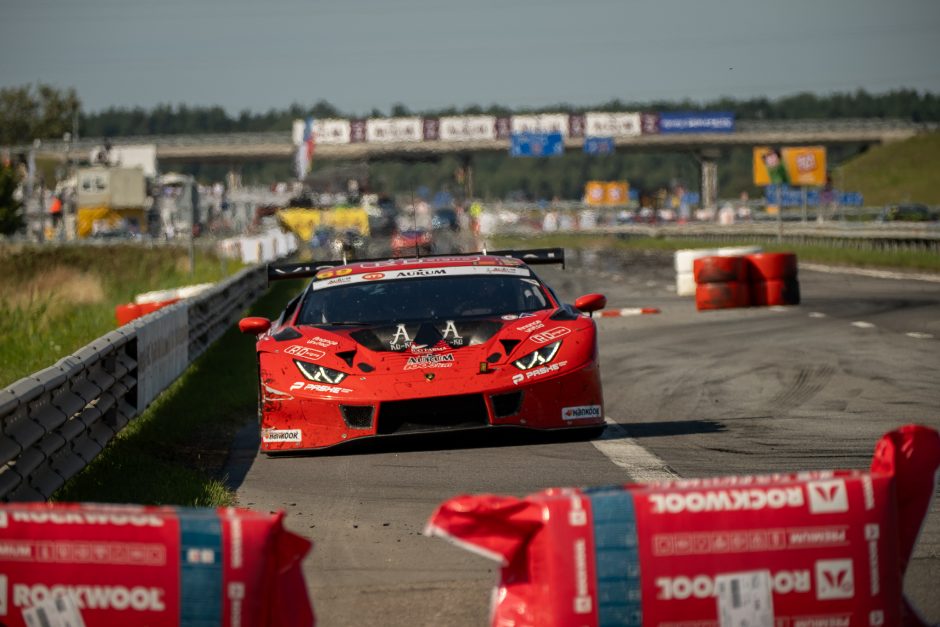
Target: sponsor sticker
330 278
322 342
703 586
581 412
745 599
834 579
373 276
430 361
725 500
827 497
304 352
510 317
318 387
543 370
550 335
90 597
281 435
532 326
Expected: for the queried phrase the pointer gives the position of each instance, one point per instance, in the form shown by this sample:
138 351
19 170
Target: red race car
412 242
395 346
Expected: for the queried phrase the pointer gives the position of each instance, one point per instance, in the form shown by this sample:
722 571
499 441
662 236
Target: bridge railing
55 422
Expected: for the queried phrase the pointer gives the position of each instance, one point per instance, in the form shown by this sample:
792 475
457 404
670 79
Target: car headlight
319 373
539 357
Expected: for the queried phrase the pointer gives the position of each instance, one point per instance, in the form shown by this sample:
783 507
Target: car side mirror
590 303
254 325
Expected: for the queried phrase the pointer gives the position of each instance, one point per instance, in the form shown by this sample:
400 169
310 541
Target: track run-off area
687 394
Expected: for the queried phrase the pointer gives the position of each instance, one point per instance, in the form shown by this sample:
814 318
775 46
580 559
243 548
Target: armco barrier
55 421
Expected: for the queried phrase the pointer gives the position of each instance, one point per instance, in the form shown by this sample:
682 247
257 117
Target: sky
431 54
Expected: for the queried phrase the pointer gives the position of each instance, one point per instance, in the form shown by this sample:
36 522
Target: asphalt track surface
694 394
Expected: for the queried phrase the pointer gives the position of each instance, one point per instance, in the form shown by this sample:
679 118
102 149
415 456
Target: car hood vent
509 345
398 338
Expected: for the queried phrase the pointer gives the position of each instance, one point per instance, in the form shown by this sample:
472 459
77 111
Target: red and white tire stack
721 283
758 279
774 279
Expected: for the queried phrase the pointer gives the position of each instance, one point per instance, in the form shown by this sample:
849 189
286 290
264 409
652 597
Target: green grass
899 172
173 453
904 260
54 300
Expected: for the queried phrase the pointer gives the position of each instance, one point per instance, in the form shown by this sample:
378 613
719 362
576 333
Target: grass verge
903 260
56 299
174 452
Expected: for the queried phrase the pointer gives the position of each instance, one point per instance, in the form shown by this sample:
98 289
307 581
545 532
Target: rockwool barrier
104 565
822 548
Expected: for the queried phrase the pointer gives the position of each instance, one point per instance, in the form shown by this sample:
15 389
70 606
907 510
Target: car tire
772 266
775 292
720 269
722 295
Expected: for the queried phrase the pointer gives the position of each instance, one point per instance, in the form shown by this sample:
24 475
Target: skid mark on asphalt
808 383
642 465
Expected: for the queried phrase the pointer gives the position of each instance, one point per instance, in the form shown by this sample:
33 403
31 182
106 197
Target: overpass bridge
278 145
236 148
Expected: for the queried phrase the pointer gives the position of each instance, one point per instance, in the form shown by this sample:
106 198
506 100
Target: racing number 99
329 274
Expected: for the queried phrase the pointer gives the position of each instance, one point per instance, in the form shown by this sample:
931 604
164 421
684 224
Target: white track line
817 314
863 325
642 465
919 336
880 274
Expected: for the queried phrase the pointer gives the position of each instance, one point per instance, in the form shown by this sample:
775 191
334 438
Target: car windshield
443 298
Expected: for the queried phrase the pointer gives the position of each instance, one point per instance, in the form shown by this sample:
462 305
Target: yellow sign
606 193
800 166
303 222
806 165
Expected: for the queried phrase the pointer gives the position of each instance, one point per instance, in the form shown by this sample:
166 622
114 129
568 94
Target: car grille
507 404
357 416
429 414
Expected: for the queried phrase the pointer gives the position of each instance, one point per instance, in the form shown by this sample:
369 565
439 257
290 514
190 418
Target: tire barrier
818 547
685 260
772 266
724 295
73 564
720 270
775 293
54 422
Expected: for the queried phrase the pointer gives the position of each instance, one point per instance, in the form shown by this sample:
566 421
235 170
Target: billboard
530 144
794 197
468 128
696 122
599 145
606 193
797 165
540 123
386 130
329 131
598 124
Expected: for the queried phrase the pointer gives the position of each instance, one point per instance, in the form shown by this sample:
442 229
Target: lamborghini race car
395 346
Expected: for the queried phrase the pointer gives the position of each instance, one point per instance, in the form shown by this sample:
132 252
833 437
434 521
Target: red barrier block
126 313
722 295
772 266
812 548
156 566
720 269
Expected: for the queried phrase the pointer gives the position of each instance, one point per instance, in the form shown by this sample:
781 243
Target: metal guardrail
55 422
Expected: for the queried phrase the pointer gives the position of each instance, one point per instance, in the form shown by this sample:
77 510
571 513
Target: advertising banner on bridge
468 128
576 125
536 145
329 131
600 124
793 197
541 123
649 122
795 165
387 130
696 122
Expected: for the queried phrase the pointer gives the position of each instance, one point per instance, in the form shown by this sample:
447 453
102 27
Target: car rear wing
304 270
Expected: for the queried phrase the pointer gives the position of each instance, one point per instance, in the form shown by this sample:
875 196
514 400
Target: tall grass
54 300
173 453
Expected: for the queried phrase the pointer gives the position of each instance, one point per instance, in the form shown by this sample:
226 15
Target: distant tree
11 210
400 111
41 113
